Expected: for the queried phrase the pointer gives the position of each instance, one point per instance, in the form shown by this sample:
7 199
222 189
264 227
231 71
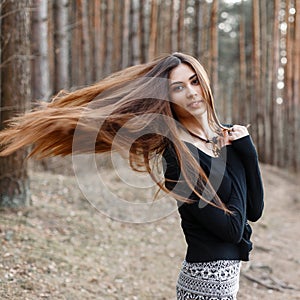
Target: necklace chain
213 142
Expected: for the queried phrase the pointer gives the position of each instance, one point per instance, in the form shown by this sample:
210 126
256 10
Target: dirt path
62 248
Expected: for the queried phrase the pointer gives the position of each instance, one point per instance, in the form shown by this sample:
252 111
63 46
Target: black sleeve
255 193
228 227
171 168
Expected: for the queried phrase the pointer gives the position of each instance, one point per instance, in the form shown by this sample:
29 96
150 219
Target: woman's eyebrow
193 76
178 82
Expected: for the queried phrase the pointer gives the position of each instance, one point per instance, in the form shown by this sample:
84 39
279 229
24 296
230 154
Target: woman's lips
195 104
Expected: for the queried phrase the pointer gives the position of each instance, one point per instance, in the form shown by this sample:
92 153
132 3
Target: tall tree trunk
86 41
40 71
180 26
76 63
62 45
288 152
125 34
243 66
91 19
256 71
134 29
103 33
167 21
174 29
153 30
205 55
214 48
274 70
109 19
117 41
98 38
15 96
50 42
296 90
261 102
269 102
197 31
144 21
162 44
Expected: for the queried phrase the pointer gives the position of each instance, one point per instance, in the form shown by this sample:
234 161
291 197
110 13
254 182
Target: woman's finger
237 131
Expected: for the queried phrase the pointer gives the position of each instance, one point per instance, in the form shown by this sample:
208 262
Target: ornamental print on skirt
215 280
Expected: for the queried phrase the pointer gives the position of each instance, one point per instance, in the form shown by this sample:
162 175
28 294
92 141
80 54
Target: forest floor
61 247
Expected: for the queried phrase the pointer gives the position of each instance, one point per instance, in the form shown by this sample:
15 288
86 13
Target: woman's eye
177 88
195 81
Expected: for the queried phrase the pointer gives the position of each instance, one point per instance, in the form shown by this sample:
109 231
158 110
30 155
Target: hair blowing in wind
135 101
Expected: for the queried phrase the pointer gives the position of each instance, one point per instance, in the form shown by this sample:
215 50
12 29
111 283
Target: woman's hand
237 132
234 133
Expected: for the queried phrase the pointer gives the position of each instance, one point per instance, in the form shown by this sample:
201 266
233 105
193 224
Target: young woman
165 109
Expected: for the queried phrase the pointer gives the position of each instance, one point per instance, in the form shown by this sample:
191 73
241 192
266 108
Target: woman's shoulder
245 146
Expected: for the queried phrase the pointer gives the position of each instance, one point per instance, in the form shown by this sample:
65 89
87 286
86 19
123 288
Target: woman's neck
198 126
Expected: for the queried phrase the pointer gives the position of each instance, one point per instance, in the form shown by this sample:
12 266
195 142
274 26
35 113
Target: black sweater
209 232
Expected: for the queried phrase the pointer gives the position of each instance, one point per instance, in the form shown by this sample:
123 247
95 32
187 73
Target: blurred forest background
55 245
251 50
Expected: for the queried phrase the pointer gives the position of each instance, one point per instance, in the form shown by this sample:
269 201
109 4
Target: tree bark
269 102
41 72
135 32
86 41
144 21
167 43
77 74
214 48
117 40
15 95
162 44
153 30
125 34
243 66
174 29
261 101
296 90
288 152
180 26
109 19
98 37
198 28
256 71
205 57
274 70
62 45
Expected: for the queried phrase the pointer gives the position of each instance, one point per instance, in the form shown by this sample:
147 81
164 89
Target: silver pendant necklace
214 142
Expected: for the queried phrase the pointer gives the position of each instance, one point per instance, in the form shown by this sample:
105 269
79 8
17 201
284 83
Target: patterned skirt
214 280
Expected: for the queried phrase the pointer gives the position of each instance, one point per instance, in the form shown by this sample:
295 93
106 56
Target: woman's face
186 92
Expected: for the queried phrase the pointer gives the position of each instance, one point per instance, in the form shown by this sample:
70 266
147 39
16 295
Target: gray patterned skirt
214 280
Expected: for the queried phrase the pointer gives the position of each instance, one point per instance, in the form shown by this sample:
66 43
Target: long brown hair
135 101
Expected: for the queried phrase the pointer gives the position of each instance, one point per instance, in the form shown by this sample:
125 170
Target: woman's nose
191 91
